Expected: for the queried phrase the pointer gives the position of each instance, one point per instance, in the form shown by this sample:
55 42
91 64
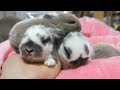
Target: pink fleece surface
97 69
96 32
93 27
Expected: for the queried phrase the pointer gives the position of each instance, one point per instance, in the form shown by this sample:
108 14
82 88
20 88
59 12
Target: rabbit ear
33 15
57 33
96 52
29 15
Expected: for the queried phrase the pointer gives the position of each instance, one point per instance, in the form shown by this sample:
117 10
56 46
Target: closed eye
67 52
71 22
46 40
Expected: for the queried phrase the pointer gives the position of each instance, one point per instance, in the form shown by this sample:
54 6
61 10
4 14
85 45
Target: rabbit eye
86 49
68 52
71 22
46 40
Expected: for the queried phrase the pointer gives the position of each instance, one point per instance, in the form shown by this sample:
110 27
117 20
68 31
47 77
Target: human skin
16 68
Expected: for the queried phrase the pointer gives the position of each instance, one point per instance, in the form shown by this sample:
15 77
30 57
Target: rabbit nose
29 50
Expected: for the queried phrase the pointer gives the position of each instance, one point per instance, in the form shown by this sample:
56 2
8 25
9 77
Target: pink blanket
96 31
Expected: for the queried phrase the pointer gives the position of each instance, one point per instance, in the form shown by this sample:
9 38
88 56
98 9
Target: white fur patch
35 33
50 62
77 45
32 32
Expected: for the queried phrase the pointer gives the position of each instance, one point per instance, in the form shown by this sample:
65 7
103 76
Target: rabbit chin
68 64
31 59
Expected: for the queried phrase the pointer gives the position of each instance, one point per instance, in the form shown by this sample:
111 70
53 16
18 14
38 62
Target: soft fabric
5 50
108 68
96 69
93 27
96 32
